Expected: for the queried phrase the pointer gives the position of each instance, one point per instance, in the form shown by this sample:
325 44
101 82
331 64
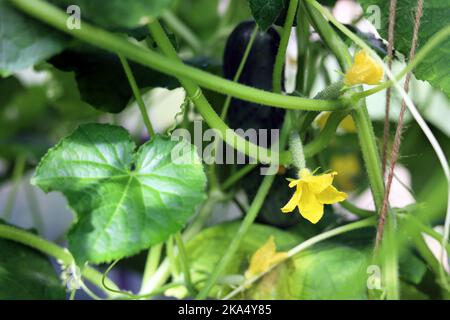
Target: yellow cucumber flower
312 193
347 124
264 258
364 70
348 167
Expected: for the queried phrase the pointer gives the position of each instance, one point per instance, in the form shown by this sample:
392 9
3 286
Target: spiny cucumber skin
332 92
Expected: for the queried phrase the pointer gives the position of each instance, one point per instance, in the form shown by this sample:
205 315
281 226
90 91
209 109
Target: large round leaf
124 201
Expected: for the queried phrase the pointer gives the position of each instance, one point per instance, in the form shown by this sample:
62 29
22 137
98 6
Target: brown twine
390 50
398 133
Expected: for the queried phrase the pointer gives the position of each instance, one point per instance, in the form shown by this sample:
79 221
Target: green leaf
116 14
101 79
9 88
125 201
66 98
24 41
330 270
412 269
192 12
327 271
205 250
23 110
436 15
27 274
266 12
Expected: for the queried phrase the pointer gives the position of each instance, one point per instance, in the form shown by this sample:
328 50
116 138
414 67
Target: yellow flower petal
331 195
364 70
348 125
318 183
264 258
311 193
310 208
293 202
322 119
348 167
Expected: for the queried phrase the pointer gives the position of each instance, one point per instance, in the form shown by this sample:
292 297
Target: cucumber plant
265 201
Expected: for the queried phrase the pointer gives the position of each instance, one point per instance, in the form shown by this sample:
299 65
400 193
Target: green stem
412 224
151 264
368 222
424 251
19 168
372 161
373 165
281 54
253 211
303 34
227 102
127 294
51 249
36 242
89 292
429 46
184 264
296 148
238 175
311 149
72 294
212 169
170 253
203 215
325 136
163 272
422 227
205 109
328 35
35 210
182 30
370 153
362 213
390 260
305 245
53 16
137 95
234 245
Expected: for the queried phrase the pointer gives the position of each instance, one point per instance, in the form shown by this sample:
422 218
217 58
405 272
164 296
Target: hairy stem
246 223
281 54
205 109
305 245
227 102
302 32
19 168
182 30
184 263
137 95
53 16
151 264
51 249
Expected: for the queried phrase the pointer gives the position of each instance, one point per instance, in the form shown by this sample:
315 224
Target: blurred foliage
27 274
